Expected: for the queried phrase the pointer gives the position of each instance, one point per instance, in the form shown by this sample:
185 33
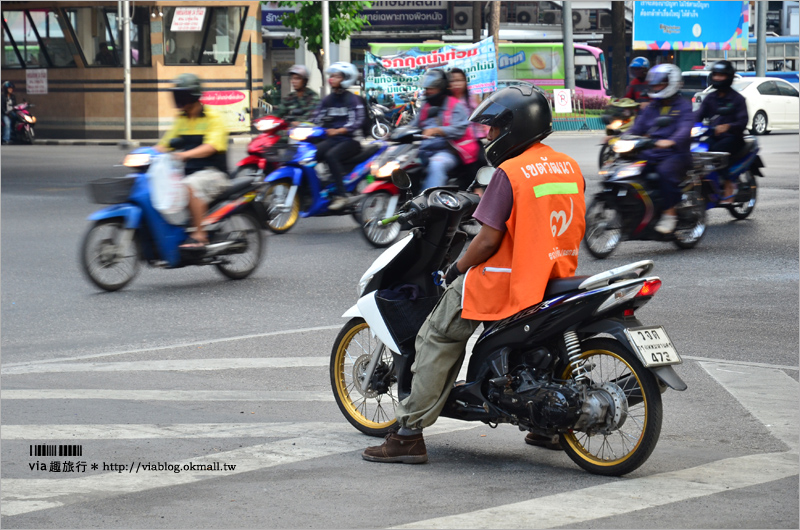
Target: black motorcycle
626 208
578 365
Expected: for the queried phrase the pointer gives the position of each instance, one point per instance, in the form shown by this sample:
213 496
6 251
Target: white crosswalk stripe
168 395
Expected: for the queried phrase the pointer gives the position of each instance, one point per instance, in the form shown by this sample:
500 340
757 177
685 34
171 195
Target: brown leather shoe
396 448
548 442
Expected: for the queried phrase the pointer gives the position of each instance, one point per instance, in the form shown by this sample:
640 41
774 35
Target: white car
772 103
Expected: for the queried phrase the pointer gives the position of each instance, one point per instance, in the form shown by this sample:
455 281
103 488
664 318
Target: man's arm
482 247
740 123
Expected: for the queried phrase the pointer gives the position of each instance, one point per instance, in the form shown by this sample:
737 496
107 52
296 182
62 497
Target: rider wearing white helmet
341 113
671 156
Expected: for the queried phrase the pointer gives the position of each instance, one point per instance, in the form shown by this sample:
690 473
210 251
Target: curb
123 144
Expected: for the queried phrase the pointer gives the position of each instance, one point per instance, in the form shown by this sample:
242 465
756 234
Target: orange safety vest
542 236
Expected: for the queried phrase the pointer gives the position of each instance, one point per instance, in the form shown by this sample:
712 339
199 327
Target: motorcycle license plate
653 346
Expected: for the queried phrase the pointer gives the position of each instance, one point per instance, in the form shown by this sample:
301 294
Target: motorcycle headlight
624 146
301 133
385 172
362 284
136 160
698 131
614 125
28 118
631 171
266 125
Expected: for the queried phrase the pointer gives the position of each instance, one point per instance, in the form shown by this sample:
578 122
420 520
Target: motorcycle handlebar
401 217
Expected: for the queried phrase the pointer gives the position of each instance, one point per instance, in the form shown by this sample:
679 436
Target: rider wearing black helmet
204 151
727 111
9 102
536 197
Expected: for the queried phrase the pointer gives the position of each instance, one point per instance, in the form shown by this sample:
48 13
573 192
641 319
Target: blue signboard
381 14
690 25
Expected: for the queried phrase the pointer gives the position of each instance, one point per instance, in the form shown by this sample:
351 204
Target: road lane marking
175 346
626 495
20 496
742 363
176 365
769 395
168 395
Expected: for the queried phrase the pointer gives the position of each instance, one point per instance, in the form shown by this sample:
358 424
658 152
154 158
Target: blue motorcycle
296 190
743 166
131 230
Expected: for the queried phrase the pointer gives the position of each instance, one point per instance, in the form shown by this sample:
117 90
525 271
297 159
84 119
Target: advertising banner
401 73
188 19
233 106
691 25
36 81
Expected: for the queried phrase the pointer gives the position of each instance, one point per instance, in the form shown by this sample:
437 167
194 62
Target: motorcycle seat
365 154
559 286
236 186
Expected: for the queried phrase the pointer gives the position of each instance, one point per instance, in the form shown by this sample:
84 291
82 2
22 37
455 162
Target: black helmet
523 116
8 84
188 89
725 68
435 78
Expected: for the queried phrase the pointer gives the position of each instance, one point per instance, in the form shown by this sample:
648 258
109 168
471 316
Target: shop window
202 35
98 33
35 39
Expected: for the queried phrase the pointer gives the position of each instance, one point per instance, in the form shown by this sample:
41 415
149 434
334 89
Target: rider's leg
730 145
6 128
203 187
438 166
671 170
342 149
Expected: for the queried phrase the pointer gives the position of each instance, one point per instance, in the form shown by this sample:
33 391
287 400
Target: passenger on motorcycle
204 151
342 113
536 197
445 121
671 156
9 102
457 80
301 103
727 125
637 88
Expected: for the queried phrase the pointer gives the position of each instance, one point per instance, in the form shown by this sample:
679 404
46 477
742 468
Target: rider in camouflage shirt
298 106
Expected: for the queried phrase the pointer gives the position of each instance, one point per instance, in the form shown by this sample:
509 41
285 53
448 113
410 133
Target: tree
494 26
477 21
345 18
618 47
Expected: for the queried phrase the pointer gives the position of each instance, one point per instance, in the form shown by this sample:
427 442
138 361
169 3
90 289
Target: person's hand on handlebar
664 144
336 132
434 131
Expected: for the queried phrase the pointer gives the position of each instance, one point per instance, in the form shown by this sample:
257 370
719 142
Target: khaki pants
441 346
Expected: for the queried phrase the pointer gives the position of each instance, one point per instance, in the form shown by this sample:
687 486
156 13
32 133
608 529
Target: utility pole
569 46
326 43
618 48
477 21
494 27
126 52
761 39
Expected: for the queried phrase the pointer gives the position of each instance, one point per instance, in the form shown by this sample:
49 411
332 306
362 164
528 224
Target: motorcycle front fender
132 214
381 185
286 172
367 308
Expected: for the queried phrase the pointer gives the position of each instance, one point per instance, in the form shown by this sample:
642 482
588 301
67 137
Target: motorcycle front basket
113 190
281 153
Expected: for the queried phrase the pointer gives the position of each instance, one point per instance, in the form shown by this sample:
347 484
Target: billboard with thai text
690 25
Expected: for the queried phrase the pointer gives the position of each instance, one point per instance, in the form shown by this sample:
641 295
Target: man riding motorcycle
445 120
637 89
301 103
671 156
727 125
342 113
496 278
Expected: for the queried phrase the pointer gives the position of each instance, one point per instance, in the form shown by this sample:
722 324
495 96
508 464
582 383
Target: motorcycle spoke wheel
370 412
106 264
603 231
380 130
279 220
373 209
747 190
623 447
245 255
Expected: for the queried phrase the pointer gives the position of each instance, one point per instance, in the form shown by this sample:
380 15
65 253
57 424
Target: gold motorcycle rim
620 445
372 413
291 216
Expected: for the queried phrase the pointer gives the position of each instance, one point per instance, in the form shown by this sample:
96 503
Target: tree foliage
344 18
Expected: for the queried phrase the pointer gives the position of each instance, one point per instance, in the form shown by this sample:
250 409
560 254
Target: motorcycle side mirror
484 175
663 121
401 179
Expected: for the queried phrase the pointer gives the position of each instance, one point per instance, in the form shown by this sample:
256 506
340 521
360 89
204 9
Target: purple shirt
497 202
